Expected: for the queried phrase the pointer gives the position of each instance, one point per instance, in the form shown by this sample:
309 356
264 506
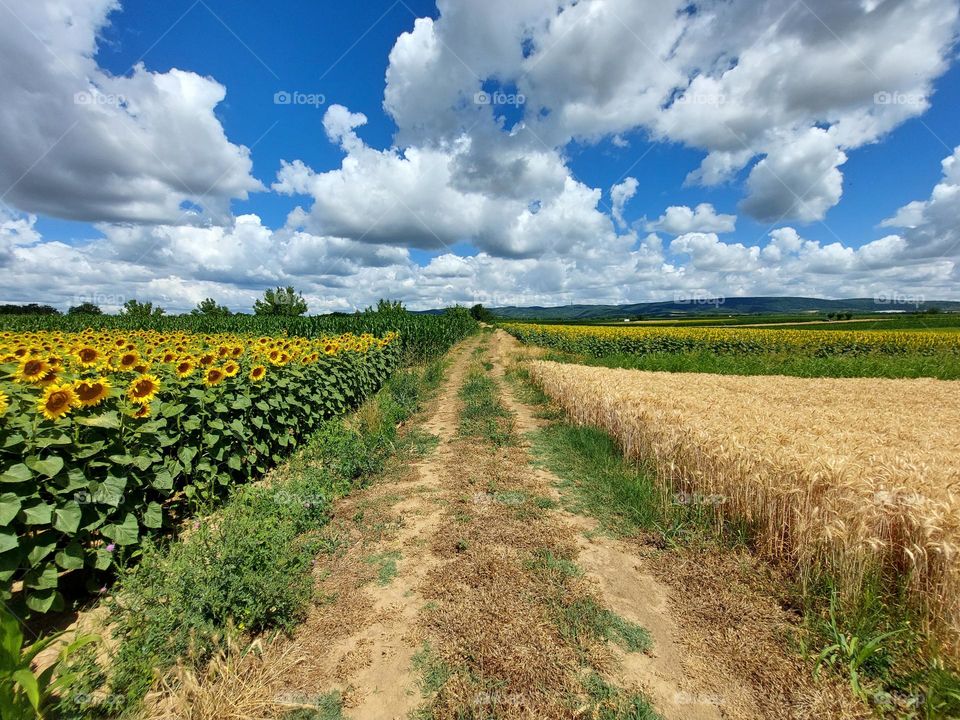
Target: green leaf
170 410
41 578
26 680
44 600
71 557
126 532
8 540
40 547
67 518
16 473
9 564
49 466
153 515
163 480
108 421
9 507
38 514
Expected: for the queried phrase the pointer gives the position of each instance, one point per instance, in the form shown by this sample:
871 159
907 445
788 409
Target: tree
282 301
136 309
210 308
481 314
86 308
30 309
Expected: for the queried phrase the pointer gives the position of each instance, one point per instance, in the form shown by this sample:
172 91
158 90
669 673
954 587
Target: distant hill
718 307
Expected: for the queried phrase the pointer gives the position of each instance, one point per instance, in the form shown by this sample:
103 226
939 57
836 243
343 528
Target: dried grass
240 683
847 475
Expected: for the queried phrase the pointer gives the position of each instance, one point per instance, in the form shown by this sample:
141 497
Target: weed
387 566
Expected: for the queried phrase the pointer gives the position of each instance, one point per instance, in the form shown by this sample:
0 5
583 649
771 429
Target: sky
506 152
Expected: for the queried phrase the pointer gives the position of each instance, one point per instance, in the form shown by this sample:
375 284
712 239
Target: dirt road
463 589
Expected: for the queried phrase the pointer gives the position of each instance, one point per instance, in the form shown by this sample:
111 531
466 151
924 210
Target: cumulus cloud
777 92
931 228
680 219
142 147
798 85
621 194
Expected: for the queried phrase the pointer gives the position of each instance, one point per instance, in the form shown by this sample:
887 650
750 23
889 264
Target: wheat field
843 475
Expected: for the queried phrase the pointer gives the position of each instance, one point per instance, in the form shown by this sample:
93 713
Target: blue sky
785 172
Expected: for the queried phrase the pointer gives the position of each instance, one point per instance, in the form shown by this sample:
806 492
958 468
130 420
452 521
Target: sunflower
57 401
51 376
184 368
4 402
128 361
168 357
230 368
258 373
143 389
88 356
207 359
32 369
91 393
142 412
214 376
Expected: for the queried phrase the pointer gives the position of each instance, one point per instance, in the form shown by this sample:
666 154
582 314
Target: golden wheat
846 475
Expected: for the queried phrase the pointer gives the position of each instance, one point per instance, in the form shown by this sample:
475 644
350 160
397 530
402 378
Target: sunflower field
107 436
601 341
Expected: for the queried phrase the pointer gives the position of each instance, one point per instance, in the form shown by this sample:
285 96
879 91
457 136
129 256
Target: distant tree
135 309
211 308
387 307
481 314
933 311
86 308
29 309
282 301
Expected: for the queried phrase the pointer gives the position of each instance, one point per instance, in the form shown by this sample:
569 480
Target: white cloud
680 219
621 194
932 227
142 147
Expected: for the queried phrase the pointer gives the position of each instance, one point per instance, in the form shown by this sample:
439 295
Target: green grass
483 415
386 566
944 367
431 670
610 703
328 707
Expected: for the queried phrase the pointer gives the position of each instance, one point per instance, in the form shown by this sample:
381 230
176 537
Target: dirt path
462 589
